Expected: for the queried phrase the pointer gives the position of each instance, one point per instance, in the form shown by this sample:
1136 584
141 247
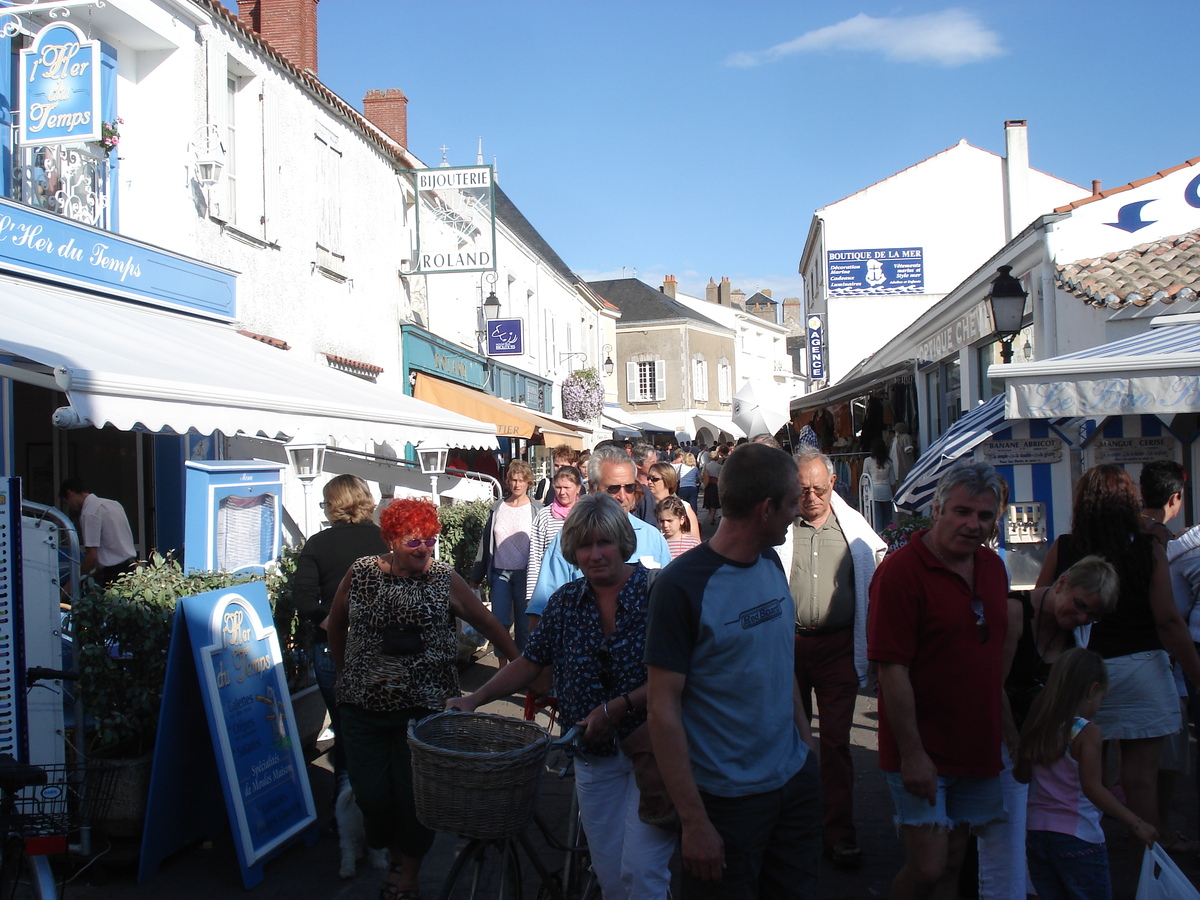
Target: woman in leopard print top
392 639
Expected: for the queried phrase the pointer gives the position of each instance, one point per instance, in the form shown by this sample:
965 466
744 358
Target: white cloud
950 38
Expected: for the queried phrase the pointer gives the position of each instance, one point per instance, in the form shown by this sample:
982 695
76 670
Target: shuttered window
329 195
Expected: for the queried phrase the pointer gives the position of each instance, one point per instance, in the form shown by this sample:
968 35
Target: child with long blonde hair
1059 757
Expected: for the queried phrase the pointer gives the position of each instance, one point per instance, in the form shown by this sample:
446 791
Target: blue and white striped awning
1157 372
975 427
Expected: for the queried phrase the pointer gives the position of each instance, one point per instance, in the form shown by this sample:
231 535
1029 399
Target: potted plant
462 530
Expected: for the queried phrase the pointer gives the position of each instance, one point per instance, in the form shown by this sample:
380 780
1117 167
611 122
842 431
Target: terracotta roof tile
353 366
278 343
1127 187
1163 271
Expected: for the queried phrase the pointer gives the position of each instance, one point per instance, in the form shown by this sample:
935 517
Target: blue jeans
326 674
690 496
772 842
508 601
1063 867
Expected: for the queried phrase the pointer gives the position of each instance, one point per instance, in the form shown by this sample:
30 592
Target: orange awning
510 420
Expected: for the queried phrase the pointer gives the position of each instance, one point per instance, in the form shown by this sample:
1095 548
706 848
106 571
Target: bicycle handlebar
41 673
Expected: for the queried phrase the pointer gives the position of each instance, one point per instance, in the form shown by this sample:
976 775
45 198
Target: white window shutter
631 382
660 379
272 163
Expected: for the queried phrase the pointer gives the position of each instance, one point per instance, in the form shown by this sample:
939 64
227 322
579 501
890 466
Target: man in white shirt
104 532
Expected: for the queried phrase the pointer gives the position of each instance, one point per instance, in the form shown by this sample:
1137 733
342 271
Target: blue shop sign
39 243
896 270
505 337
816 347
424 352
60 87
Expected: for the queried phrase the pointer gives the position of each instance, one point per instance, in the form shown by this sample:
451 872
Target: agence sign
60 88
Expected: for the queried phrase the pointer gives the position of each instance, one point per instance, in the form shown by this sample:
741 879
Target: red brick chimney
389 111
290 26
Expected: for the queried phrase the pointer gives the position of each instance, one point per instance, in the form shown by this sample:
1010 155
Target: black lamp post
1007 302
608 360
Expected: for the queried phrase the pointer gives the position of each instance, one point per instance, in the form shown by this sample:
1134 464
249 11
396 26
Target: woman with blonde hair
323 561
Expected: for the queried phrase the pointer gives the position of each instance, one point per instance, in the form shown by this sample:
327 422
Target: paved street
211 872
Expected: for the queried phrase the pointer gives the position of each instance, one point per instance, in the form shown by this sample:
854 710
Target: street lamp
1007 302
433 464
608 360
491 303
307 459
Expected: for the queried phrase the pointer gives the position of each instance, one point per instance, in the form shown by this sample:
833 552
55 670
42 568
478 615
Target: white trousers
631 858
1002 869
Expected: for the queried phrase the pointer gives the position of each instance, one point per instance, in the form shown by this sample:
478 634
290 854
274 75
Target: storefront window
943 395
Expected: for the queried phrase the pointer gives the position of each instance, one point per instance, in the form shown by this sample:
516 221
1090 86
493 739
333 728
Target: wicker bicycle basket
476 774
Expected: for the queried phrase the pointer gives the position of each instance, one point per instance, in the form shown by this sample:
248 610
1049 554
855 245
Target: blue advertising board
39 243
60 87
254 747
816 347
505 337
897 270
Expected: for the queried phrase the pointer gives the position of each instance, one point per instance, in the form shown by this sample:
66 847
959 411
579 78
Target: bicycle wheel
484 870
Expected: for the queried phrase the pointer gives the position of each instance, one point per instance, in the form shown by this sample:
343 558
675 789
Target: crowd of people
707 657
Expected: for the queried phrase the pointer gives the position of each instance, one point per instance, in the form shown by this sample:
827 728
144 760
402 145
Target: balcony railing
69 180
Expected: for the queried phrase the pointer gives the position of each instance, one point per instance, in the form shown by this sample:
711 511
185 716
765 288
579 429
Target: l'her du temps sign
60 87
225 671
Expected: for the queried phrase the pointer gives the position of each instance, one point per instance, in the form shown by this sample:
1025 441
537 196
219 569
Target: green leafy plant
462 530
121 635
295 632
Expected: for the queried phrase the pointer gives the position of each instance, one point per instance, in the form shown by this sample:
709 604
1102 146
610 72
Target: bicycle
42 808
490 868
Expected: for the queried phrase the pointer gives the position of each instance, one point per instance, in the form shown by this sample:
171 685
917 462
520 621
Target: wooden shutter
660 379
632 391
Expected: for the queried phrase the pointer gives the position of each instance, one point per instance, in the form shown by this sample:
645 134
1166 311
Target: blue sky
697 138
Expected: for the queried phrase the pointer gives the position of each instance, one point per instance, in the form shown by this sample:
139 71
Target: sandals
390 890
845 855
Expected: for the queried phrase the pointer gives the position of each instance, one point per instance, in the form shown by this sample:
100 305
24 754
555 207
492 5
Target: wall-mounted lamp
608 360
208 155
1007 302
491 303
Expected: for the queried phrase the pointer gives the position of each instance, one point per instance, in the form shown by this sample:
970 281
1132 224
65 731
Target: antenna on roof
444 164
495 170
479 152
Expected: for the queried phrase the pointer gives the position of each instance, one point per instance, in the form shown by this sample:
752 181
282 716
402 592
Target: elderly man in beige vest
830 555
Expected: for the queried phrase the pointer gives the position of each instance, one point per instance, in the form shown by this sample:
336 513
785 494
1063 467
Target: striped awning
975 427
1156 372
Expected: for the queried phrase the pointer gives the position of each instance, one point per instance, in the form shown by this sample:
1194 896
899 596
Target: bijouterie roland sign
456 222
60 87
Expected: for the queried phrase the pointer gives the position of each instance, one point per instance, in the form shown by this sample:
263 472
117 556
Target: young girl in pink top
1059 756
673 522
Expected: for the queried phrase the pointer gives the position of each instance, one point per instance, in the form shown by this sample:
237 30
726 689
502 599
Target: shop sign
1123 451
505 337
1022 452
971 326
237 674
898 270
456 219
39 243
60 88
816 347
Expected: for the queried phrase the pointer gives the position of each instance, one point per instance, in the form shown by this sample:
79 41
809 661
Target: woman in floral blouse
593 632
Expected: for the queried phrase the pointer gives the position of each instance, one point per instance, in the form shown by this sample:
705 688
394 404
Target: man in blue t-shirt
729 730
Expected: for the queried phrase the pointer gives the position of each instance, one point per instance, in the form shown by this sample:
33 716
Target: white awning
716 423
139 368
1157 372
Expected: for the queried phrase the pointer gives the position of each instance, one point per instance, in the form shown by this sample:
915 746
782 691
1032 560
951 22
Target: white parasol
760 407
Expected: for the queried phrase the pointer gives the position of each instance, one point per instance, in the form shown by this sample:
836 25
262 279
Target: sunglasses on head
414 543
617 488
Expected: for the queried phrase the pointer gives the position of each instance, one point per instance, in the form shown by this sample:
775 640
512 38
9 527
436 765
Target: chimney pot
388 110
1095 187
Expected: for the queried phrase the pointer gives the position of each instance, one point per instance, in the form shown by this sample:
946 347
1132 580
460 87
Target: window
329 200
646 381
724 382
699 379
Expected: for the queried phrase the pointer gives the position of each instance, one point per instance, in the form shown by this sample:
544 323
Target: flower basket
582 395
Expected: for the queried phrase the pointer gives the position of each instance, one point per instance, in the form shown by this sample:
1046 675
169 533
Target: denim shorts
960 801
1062 867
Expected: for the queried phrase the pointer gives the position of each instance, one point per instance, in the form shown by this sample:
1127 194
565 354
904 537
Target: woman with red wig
392 639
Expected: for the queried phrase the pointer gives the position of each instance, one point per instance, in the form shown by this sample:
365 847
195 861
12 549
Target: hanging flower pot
582 395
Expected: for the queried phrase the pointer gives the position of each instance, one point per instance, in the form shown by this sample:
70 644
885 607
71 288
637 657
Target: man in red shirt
937 625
